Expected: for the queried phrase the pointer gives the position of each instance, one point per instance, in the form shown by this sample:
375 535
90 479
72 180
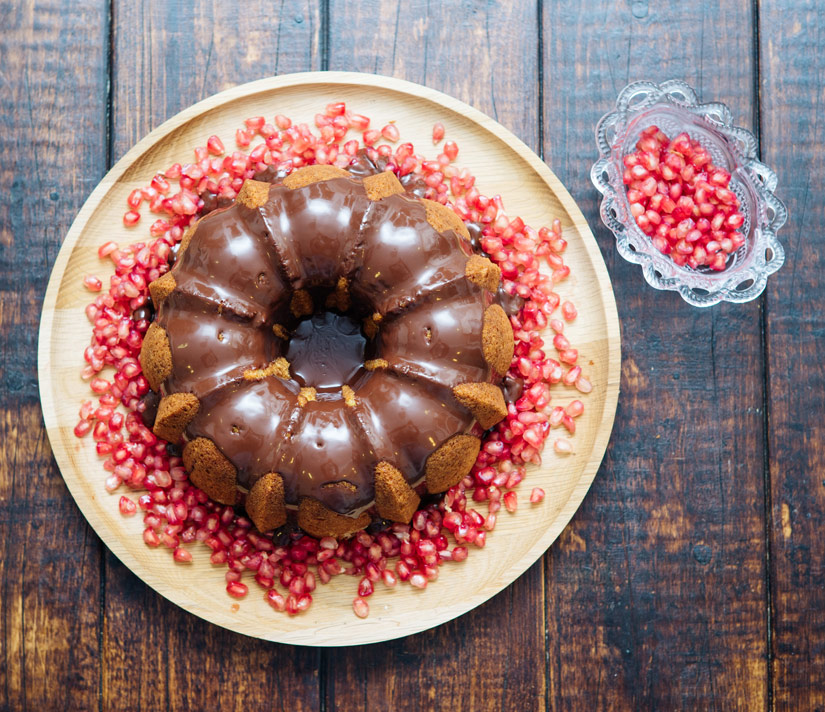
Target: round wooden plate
502 164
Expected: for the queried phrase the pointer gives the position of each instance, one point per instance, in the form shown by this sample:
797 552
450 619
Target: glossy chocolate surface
326 352
235 281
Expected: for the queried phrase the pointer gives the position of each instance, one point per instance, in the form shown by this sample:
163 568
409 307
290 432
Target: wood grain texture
52 139
166 57
793 143
656 593
456 666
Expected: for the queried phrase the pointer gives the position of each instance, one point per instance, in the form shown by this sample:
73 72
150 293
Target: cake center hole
326 351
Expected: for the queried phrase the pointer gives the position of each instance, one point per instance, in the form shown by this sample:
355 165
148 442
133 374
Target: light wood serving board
502 165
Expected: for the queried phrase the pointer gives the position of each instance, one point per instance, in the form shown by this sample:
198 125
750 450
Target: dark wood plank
168 56
656 594
492 658
793 143
52 139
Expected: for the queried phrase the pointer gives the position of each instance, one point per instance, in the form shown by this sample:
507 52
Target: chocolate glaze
512 388
403 257
147 311
511 303
327 351
150 408
437 339
476 231
362 165
235 281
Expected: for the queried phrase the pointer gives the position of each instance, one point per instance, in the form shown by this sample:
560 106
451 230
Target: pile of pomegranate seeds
289 566
682 201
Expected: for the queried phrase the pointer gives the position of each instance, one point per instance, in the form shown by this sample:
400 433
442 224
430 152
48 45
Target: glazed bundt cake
326 345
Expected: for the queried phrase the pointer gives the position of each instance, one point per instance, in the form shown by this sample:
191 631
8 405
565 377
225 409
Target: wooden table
693 577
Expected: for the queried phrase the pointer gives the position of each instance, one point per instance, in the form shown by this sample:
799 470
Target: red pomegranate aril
127 506
361 607
276 600
131 218
236 589
418 580
182 556
536 495
562 446
215 146
391 133
511 502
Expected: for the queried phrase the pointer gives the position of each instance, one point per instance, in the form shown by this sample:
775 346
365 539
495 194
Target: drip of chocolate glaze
511 303
476 230
362 165
150 408
147 311
271 174
415 185
213 201
512 388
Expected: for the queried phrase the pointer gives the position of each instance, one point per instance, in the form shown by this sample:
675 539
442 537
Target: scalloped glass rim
674 105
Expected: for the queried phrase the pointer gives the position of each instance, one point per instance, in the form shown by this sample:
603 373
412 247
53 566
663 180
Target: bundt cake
325 345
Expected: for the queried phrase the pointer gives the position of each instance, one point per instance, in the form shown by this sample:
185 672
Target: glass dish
674 108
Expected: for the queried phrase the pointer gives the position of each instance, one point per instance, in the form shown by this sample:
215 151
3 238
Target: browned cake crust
394 498
312 174
453 460
265 503
155 356
187 238
320 521
253 194
382 185
484 400
443 219
210 470
483 272
175 412
497 339
162 287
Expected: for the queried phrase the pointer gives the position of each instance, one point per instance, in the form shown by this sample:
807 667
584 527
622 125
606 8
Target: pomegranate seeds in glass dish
686 196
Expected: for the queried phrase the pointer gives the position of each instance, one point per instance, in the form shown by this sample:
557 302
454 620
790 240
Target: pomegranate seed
568 311
215 146
236 589
451 150
418 580
574 409
127 507
183 556
92 283
562 446
361 607
391 133
511 502
131 218
438 132
276 600
536 495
